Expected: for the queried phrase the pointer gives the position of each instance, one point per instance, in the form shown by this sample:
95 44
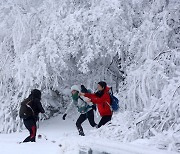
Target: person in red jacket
102 99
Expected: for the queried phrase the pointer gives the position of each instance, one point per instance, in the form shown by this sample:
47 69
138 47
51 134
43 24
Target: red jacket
103 102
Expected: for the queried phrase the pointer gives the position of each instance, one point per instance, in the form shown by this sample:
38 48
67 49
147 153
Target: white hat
75 87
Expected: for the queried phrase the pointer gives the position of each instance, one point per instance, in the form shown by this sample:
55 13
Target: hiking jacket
37 108
82 106
103 102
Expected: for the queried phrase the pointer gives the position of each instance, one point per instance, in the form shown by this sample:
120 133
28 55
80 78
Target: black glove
64 116
94 107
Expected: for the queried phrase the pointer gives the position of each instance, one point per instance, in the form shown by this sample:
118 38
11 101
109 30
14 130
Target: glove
64 116
94 107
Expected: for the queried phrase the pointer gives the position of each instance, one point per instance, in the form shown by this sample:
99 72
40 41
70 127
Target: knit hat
75 87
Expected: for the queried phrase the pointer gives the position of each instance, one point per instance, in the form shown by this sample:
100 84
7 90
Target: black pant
104 120
90 116
30 124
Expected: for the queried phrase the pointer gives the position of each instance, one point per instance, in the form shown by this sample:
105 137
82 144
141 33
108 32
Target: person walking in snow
102 99
85 109
29 111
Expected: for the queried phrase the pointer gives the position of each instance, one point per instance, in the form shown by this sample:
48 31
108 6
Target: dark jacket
36 105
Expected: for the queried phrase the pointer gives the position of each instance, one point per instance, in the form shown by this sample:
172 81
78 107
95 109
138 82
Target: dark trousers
90 116
104 120
30 124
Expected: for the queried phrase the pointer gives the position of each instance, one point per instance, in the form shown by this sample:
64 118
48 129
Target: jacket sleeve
70 107
85 99
97 100
41 109
90 95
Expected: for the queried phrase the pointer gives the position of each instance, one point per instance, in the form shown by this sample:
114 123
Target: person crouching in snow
85 109
102 99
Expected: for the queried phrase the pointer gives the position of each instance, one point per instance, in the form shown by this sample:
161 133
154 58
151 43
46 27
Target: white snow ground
63 139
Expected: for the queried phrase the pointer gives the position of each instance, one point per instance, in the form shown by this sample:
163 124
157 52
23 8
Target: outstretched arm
89 95
95 99
41 109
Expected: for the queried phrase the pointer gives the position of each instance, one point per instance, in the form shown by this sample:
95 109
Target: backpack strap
82 99
112 91
27 104
109 106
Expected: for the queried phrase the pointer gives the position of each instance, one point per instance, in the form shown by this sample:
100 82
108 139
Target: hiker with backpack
103 101
85 109
29 111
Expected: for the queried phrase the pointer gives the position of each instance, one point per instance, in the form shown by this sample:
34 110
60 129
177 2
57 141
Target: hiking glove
64 116
94 107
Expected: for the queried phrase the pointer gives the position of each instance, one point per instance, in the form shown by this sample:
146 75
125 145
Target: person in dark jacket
102 99
30 122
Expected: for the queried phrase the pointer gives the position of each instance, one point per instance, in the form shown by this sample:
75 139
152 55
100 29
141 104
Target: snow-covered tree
133 45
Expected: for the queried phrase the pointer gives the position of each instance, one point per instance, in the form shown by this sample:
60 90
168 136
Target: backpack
26 110
114 102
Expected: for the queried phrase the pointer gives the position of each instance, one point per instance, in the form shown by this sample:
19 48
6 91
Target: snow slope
62 138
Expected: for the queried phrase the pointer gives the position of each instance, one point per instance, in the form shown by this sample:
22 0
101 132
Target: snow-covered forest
134 45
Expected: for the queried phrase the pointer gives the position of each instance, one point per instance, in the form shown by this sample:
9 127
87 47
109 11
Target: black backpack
26 110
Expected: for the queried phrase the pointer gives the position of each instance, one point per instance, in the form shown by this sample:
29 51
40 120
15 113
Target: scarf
75 96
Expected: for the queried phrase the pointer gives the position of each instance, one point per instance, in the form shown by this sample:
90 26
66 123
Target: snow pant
30 124
104 120
90 116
